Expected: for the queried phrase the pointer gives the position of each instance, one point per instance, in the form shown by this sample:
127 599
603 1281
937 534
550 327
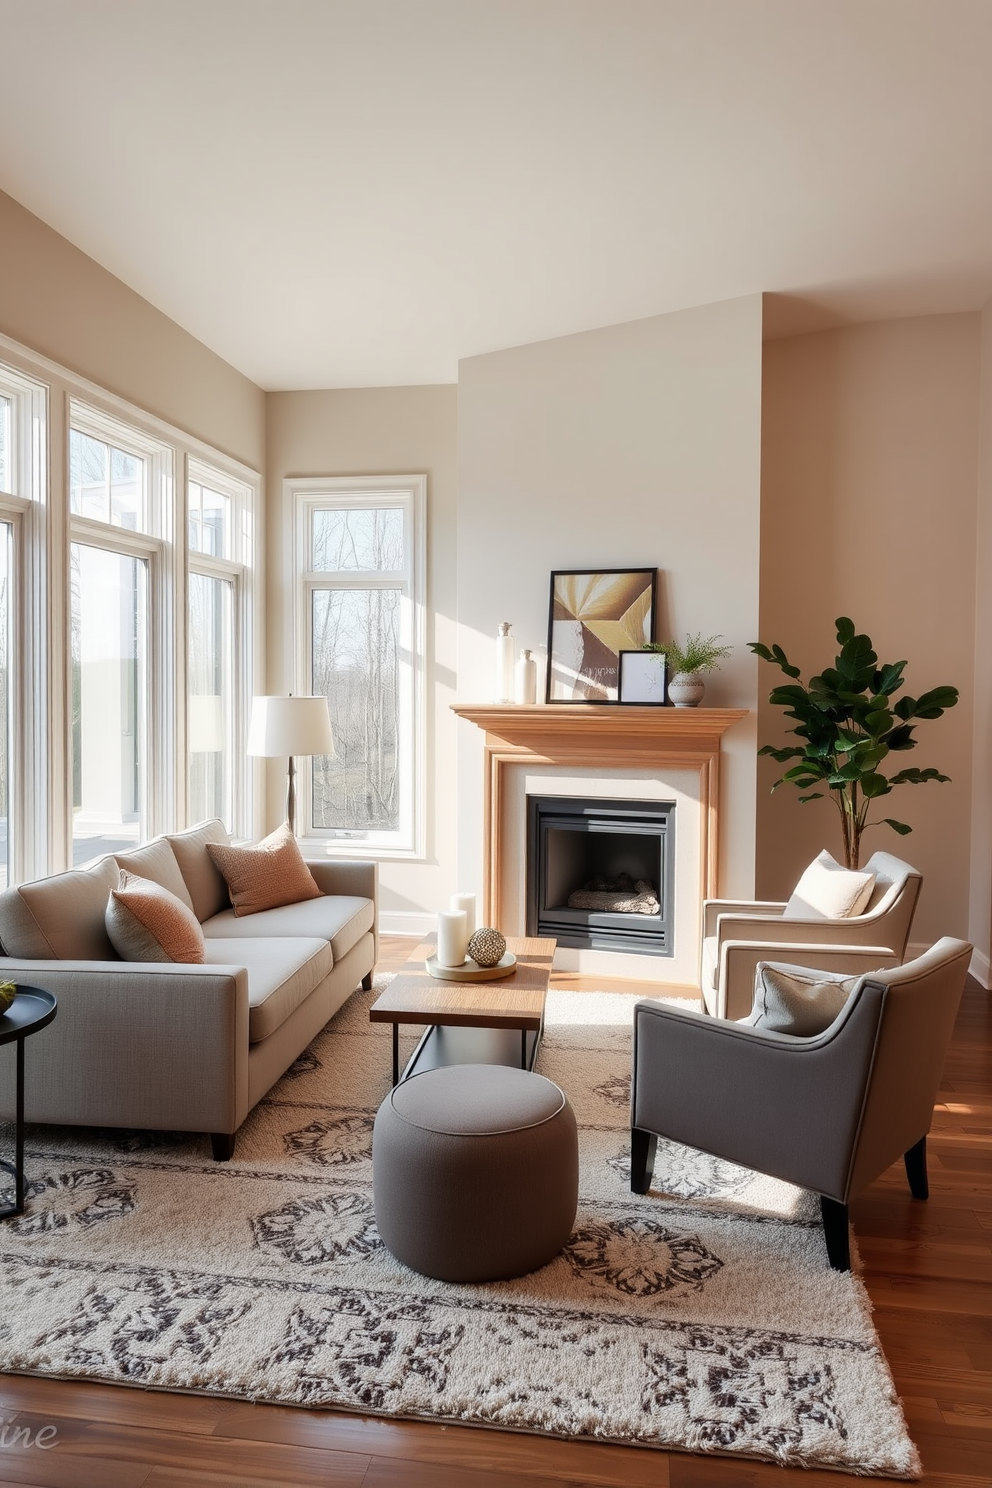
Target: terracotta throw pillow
267 875
147 923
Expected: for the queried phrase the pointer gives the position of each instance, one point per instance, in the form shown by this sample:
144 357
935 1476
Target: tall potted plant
848 725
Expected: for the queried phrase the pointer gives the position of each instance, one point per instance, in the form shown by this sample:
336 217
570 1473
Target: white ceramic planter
686 689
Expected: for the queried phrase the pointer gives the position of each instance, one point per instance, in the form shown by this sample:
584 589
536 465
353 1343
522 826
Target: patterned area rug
703 1316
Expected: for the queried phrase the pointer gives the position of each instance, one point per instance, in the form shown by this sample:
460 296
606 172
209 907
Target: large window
360 559
120 503
127 648
23 646
219 522
6 705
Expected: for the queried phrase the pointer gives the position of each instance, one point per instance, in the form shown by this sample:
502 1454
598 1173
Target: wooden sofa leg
367 983
916 1170
223 1146
836 1230
643 1146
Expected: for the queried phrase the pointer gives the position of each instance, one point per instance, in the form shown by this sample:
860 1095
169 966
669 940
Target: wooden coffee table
470 1022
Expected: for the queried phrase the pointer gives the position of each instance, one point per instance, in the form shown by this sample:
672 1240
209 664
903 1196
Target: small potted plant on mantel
686 665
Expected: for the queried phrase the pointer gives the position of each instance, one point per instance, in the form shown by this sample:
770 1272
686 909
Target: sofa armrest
143 1044
786 1106
739 961
713 908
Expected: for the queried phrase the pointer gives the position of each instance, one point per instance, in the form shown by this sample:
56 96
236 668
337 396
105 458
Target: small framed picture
642 677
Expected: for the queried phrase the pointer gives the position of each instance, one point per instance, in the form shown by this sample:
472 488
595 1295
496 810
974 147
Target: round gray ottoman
475 1169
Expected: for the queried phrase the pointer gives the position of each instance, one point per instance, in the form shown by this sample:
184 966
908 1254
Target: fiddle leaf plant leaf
847 722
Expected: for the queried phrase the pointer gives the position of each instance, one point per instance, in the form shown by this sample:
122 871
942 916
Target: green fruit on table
7 993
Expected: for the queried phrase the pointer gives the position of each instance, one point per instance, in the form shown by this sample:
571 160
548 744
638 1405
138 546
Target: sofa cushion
266 875
60 918
827 891
341 919
281 975
207 889
157 862
147 923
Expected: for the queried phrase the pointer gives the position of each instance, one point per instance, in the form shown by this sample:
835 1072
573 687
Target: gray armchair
737 935
829 1113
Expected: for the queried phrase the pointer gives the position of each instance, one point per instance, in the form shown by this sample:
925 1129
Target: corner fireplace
601 873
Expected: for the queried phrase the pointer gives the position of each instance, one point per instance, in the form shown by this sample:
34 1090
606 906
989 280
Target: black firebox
586 857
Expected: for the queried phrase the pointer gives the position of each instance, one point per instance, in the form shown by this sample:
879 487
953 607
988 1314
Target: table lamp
288 726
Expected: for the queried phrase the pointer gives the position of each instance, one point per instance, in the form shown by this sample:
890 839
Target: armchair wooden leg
836 1230
223 1146
643 1146
916 1170
367 983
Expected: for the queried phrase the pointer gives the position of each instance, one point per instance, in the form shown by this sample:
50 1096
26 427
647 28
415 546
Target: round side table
30 1010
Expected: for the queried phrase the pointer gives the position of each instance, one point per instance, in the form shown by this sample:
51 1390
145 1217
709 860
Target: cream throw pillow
791 999
829 892
267 875
147 923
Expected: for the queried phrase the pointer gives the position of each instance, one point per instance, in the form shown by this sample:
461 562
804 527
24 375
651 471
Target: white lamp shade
289 725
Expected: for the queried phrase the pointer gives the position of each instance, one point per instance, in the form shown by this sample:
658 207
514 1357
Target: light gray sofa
168 1046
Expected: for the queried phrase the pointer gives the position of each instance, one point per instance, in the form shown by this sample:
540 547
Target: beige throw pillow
267 875
827 891
147 923
791 999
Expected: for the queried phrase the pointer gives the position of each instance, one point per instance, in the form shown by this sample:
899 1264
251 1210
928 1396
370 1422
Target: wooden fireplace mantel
610 736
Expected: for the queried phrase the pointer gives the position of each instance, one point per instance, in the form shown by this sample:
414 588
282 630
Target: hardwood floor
928 1268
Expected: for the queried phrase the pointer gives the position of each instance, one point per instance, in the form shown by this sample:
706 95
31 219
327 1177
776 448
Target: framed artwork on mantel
594 615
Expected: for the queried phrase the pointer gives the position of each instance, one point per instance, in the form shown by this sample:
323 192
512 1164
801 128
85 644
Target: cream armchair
737 935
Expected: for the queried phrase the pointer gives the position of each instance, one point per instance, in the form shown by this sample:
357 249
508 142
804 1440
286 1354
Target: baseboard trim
399 922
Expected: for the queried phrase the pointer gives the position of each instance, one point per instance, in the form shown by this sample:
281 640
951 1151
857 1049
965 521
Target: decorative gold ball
487 947
8 991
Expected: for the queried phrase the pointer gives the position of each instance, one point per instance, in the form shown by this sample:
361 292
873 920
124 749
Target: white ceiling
360 192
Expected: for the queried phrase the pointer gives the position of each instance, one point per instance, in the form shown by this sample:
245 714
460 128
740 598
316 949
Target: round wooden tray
471 971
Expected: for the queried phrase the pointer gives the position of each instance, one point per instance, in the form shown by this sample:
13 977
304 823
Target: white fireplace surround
648 754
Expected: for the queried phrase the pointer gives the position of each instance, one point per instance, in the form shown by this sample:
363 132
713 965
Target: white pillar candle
452 937
467 903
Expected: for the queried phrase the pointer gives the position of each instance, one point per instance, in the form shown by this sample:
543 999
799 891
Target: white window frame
157 547
239 571
24 507
408 492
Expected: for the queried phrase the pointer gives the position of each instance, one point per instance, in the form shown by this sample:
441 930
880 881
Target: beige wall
60 303
630 446
378 431
981 813
868 509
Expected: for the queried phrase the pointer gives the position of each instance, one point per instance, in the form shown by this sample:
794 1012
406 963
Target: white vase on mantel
686 689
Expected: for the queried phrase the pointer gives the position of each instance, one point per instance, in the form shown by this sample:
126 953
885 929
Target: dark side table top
30 1010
